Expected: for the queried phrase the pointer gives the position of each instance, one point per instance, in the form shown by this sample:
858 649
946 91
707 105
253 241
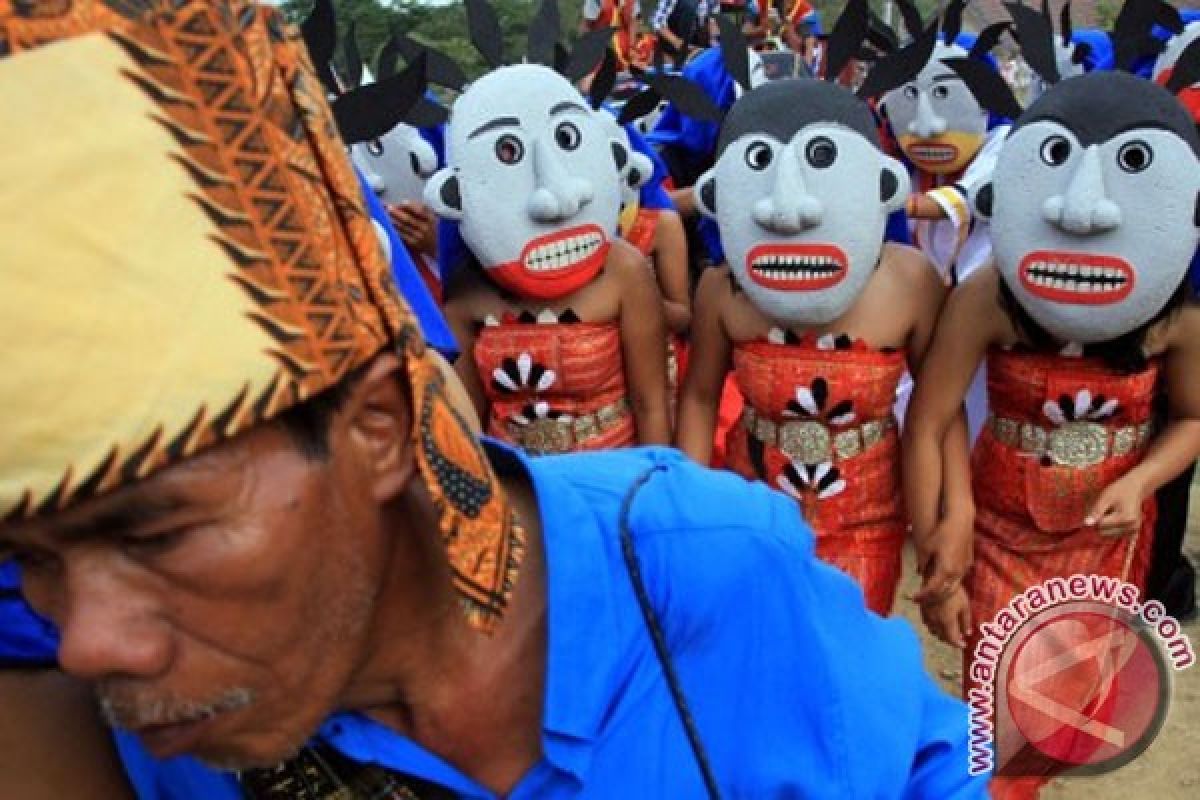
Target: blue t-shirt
797 690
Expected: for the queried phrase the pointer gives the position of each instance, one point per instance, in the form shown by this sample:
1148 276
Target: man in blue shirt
270 542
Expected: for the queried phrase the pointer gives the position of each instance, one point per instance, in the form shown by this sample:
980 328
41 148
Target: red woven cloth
1030 510
574 369
855 506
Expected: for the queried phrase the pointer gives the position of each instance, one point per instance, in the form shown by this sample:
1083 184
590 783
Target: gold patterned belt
811 441
1078 444
565 433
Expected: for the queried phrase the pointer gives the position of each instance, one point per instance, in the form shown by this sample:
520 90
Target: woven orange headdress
184 254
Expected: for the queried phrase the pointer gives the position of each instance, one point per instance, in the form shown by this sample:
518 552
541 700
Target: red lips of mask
796 267
1080 279
555 265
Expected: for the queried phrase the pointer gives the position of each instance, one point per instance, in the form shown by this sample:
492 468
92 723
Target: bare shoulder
974 308
626 263
1183 328
909 265
715 286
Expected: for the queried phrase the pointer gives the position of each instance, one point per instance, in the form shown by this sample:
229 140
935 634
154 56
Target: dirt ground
1169 769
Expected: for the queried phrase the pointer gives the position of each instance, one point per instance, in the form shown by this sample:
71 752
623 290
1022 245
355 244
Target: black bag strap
633 566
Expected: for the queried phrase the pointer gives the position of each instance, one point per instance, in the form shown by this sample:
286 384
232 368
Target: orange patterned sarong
1060 430
818 425
554 388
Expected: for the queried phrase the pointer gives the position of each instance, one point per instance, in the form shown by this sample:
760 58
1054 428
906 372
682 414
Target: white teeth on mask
563 253
1075 277
794 267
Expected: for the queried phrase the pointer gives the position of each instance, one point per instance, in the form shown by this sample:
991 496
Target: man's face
219 606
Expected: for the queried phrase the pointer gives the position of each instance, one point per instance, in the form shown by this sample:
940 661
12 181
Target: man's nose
107 628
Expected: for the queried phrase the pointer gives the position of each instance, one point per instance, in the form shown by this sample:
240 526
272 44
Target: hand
950 618
1118 509
417 226
944 557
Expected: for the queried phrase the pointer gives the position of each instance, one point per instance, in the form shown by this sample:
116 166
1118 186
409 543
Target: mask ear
894 184
620 155
980 200
638 171
442 195
705 192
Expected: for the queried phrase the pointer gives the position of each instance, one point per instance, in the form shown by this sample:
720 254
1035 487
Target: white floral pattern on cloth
810 403
1084 406
824 480
522 374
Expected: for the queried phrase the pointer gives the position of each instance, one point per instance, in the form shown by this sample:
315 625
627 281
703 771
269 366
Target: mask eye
941 92
910 92
758 156
1134 156
567 136
821 152
1055 151
509 149
375 148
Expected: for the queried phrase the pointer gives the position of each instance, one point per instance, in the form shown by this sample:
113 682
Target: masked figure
562 318
1095 208
817 317
1188 92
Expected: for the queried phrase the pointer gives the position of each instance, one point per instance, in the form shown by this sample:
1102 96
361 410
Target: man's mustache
133 708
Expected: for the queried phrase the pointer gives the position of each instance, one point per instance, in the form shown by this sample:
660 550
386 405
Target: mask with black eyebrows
1095 205
801 193
937 121
533 177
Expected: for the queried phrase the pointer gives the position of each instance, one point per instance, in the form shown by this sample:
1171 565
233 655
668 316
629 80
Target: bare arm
52 742
671 269
970 322
1118 509
643 344
684 201
707 367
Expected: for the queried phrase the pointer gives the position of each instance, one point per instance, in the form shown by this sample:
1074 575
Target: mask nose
789 209
556 196
1084 208
926 123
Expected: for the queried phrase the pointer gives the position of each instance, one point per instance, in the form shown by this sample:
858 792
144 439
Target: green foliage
440 26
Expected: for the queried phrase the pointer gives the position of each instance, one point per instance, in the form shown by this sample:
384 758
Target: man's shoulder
670 494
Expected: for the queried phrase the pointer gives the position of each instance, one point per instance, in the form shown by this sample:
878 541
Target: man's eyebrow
499 122
567 105
130 515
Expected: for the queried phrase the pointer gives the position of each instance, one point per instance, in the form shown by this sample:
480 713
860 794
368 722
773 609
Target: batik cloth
1060 430
555 388
772 647
186 255
818 425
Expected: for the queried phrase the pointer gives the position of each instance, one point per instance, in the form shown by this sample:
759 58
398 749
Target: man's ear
705 192
894 184
980 200
376 423
443 196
